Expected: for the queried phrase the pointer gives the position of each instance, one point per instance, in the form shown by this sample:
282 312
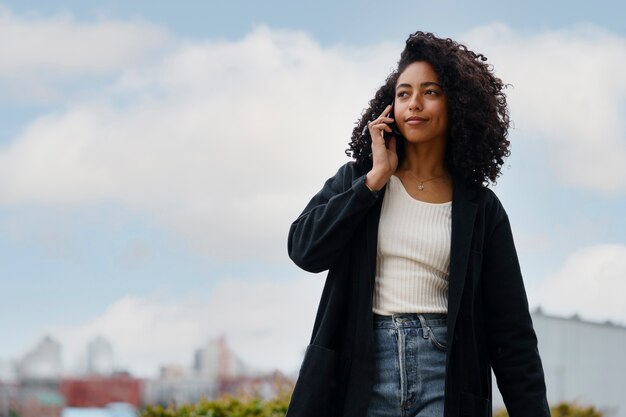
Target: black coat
488 315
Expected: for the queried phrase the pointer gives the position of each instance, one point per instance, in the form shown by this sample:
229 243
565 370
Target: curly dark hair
477 110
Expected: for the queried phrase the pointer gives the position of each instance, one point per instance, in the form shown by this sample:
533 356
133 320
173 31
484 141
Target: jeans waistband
410 320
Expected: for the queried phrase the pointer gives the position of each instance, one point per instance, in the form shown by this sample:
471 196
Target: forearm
328 222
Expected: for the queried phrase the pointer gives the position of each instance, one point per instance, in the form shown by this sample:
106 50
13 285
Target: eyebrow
424 84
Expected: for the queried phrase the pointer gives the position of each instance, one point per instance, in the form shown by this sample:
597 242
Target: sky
153 155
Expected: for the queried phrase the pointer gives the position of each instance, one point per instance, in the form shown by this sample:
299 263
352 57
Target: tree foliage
223 407
255 407
563 409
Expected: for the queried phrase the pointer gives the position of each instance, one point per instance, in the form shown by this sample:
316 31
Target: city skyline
212 360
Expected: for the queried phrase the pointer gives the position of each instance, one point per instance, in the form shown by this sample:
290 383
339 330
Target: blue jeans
410 356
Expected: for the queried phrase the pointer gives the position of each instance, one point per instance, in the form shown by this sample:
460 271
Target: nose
415 103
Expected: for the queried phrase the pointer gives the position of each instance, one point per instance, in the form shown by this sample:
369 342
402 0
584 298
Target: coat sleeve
322 231
512 340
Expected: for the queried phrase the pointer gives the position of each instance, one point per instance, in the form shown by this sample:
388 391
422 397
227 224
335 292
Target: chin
420 139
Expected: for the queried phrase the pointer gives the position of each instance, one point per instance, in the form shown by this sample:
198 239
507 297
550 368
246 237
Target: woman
424 294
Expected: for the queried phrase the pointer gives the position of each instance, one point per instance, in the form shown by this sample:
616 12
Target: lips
415 120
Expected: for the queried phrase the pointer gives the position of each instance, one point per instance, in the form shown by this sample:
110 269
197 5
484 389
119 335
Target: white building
100 358
43 362
215 360
183 389
583 362
7 371
213 364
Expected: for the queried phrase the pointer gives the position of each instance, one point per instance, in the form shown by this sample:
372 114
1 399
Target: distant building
111 410
98 391
177 384
216 361
8 397
7 370
100 358
583 361
263 386
41 405
38 398
215 370
173 371
183 389
43 362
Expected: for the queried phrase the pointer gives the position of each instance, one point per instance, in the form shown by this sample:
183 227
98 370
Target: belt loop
394 319
425 328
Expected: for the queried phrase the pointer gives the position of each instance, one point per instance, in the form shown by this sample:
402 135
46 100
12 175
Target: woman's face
420 106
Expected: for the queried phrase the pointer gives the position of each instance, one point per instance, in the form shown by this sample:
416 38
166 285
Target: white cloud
266 323
68 47
569 93
590 283
37 52
223 142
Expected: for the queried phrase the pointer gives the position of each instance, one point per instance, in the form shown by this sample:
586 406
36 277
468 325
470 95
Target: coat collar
464 208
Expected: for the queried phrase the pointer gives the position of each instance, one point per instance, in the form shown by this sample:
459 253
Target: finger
378 139
382 115
379 132
382 126
386 111
381 119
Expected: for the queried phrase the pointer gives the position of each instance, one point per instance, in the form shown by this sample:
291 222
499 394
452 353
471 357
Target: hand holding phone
389 134
384 156
380 126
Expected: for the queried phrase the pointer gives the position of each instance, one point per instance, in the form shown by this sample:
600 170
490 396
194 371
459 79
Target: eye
402 94
432 92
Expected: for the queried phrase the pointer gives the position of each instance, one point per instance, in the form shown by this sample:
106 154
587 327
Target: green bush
224 407
255 407
563 409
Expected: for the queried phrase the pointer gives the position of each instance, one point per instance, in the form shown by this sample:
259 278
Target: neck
424 160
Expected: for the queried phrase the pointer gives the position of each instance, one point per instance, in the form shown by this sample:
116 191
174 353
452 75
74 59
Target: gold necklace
420 183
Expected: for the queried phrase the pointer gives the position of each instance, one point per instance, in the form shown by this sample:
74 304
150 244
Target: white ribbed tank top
413 256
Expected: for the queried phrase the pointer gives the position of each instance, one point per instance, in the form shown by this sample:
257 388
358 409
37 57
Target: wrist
374 181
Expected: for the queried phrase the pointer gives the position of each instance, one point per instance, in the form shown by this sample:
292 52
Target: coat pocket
319 390
475 406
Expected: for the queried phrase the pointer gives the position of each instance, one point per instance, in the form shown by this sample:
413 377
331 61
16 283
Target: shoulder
346 175
350 169
490 199
490 205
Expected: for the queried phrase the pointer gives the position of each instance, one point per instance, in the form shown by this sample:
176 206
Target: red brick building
100 391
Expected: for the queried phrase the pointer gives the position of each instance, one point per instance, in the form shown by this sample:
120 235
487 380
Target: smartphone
393 126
